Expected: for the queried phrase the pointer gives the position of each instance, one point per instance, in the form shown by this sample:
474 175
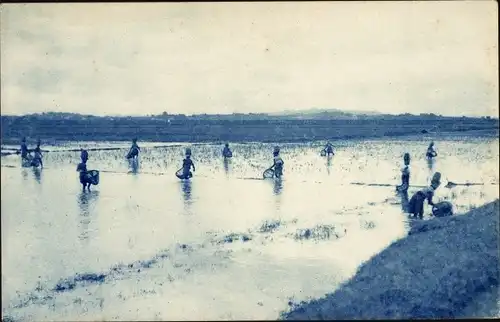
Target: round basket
93 177
269 173
180 174
442 209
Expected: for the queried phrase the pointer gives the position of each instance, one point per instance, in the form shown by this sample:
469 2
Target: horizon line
271 114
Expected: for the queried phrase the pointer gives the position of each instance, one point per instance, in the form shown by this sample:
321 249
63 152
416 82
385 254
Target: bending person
416 205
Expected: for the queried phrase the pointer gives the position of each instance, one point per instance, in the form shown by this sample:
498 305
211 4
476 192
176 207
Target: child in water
431 153
416 205
226 152
405 174
278 163
134 150
187 163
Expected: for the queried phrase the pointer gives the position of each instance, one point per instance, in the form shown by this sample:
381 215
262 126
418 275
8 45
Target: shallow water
225 245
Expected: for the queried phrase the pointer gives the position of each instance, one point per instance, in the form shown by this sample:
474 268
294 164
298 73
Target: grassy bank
445 268
79 128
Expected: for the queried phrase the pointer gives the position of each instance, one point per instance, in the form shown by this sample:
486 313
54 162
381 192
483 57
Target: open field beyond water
236 129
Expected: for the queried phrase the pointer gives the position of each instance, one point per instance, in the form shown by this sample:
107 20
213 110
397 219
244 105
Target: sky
254 57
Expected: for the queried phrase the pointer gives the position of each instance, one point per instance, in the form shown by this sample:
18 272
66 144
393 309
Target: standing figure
82 169
133 153
226 152
329 149
37 160
24 151
416 205
187 163
431 153
87 177
405 174
277 163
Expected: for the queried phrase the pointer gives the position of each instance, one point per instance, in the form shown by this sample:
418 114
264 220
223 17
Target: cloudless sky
146 58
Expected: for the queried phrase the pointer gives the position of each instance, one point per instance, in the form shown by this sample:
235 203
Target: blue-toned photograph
249 161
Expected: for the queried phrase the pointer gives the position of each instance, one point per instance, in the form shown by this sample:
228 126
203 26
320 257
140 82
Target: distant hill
329 113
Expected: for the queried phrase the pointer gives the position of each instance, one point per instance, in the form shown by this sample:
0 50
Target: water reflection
430 165
38 174
186 194
404 201
24 173
134 165
277 191
278 186
328 163
86 205
226 166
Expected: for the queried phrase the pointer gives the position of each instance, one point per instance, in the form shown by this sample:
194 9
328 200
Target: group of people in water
91 177
416 204
28 159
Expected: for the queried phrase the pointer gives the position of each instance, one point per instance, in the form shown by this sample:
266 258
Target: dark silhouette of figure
187 163
405 174
329 149
278 163
226 152
84 155
87 178
133 153
431 152
37 159
24 149
416 204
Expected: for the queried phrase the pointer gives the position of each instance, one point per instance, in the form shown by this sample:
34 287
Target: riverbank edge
444 268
